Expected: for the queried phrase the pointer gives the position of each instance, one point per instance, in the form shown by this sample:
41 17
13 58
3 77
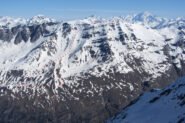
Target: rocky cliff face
84 70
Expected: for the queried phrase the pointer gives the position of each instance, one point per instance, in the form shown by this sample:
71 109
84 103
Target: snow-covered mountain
153 21
9 22
109 62
157 106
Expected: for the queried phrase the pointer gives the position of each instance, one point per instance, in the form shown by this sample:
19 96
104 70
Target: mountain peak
38 19
11 22
147 19
145 14
95 17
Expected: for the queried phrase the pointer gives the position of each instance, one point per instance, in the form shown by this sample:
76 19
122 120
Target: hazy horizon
70 10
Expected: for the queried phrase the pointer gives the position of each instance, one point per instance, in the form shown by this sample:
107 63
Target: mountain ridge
145 17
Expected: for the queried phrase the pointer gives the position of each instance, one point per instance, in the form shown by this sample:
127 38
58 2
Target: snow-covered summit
39 19
9 22
152 20
147 19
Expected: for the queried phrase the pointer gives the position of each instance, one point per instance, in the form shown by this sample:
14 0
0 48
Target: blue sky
75 9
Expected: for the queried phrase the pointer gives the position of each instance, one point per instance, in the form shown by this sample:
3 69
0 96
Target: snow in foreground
159 106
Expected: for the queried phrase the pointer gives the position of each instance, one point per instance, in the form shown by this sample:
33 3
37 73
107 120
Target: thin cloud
95 10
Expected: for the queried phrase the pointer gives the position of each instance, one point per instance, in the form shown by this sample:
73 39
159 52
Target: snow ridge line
61 80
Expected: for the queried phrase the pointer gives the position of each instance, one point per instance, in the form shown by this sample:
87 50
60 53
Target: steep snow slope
158 106
88 44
